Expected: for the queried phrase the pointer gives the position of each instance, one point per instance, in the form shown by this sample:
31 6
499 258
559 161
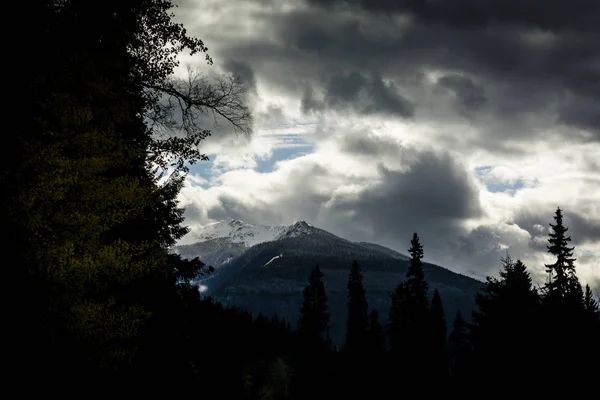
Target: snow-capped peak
300 228
236 231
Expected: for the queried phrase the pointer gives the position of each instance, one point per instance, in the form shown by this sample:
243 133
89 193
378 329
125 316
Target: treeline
518 336
543 339
89 177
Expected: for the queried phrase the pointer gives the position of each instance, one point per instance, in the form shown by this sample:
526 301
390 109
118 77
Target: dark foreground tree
506 315
439 365
358 318
410 322
562 284
90 222
312 364
564 338
355 352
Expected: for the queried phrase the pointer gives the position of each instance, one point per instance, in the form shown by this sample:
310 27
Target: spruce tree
506 312
355 357
590 304
376 334
397 317
358 317
416 284
313 323
313 344
89 220
561 274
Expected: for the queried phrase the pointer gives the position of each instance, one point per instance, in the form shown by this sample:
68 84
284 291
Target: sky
467 122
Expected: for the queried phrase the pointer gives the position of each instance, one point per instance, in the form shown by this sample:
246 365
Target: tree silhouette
90 221
312 369
358 317
590 304
438 337
376 334
506 313
313 322
562 281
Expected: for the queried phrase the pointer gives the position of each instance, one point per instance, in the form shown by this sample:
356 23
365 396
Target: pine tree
313 323
90 222
416 284
506 312
358 317
561 274
397 317
355 355
590 304
376 334
313 339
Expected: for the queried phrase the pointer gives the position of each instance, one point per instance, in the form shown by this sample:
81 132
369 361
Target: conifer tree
358 317
416 284
376 334
397 317
313 323
438 336
410 316
312 351
88 217
356 362
506 312
561 274
590 304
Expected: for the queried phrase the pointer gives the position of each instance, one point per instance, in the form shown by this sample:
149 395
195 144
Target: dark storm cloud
468 94
367 144
518 59
545 14
431 198
365 95
242 70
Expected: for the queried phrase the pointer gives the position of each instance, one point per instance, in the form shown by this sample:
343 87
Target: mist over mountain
264 269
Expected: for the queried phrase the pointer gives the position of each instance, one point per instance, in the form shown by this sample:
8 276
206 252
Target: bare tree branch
196 97
183 104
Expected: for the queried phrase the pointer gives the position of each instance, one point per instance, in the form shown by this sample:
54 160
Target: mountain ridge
268 277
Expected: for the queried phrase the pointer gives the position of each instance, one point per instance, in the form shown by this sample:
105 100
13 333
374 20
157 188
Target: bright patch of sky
495 182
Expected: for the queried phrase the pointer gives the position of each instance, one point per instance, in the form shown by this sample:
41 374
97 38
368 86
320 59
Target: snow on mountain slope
222 243
237 231
273 259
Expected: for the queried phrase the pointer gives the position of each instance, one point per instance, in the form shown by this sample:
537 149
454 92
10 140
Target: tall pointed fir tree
438 337
410 316
312 369
563 307
313 323
358 317
376 335
506 314
591 333
590 304
562 283
355 351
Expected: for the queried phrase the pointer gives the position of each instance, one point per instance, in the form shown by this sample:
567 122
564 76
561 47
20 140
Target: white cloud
540 162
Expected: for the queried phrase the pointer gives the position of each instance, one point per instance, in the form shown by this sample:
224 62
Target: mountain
264 269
